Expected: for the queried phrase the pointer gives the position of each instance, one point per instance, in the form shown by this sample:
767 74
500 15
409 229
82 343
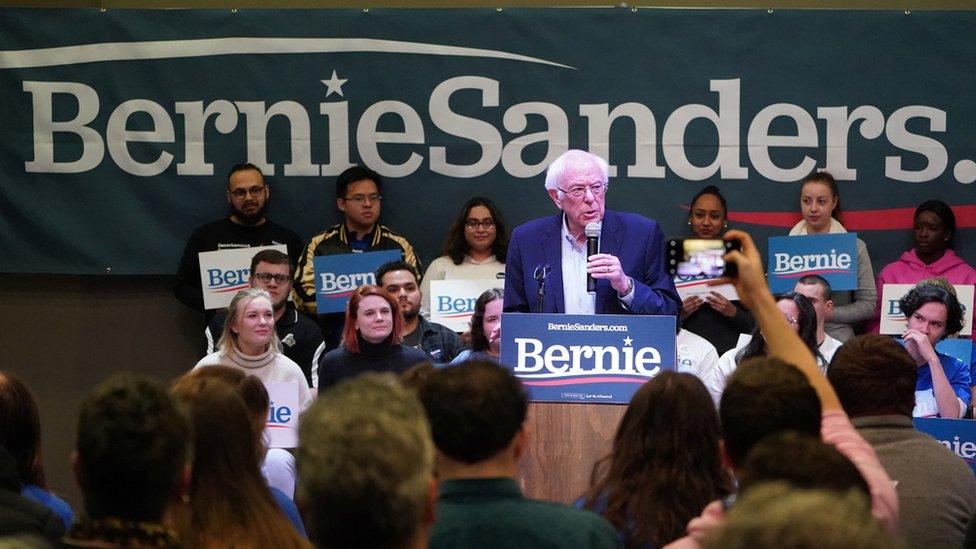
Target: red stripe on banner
341 294
695 283
277 426
232 289
823 272
888 219
583 381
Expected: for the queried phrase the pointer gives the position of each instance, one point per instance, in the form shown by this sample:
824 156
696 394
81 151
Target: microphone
540 275
592 232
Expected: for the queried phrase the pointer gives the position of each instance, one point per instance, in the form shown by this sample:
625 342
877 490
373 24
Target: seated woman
801 317
230 504
820 206
371 339
931 254
942 387
713 317
475 248
665 465
486 320
20 434
249 343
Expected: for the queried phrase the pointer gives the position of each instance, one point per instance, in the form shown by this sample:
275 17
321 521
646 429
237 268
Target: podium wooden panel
565 440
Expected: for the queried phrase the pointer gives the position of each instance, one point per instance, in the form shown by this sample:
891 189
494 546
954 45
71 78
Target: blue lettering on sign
225 279
447 304
832 256
894 308
279 414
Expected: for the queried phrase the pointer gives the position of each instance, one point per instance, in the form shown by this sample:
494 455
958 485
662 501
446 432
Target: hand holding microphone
602 265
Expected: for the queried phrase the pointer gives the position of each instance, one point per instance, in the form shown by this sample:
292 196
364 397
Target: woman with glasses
802 318
475 247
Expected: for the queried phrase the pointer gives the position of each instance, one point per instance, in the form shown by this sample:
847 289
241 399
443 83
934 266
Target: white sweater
269 367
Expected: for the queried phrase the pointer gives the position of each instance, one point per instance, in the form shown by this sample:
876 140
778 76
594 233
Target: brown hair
665 464
873 375
20 428
350 335
230 503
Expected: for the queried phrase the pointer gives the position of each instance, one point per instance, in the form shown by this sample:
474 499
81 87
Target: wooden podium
564 441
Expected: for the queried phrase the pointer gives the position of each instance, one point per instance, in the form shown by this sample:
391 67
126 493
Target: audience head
249 388
250 324
358 196
247 194
801 316
934 227
776 515
480 227
133 450
819 201
365 465
708 213
665 465
402 281
802 461
369 316
873 375
765 396
816 289
230 503
487 314
577 182
475 409
20 428
271 272
932 310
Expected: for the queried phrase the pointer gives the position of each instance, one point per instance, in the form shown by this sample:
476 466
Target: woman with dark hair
665 465
820 206
371 339
943 385
802 318
249 343
713 316
931 254
230 504
485 328
475 247
20 434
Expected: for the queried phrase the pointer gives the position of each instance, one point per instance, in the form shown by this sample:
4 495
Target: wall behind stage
446 104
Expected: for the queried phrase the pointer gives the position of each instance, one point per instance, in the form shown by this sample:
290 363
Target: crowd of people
779 426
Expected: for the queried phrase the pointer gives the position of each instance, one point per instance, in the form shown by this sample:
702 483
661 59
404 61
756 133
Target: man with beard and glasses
400 279
301 337
246 227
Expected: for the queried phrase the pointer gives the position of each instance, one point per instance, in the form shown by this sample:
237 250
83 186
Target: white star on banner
334 84
628 341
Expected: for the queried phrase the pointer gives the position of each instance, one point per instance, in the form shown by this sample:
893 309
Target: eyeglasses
361 198
253 191
268 277
580 192
790 318
473 224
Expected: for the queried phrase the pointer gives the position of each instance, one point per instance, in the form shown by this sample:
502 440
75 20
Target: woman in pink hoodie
932 255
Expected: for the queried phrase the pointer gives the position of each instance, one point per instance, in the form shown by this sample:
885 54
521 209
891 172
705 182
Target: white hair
556 170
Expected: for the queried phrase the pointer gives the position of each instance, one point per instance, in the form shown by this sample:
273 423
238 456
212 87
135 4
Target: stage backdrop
118 127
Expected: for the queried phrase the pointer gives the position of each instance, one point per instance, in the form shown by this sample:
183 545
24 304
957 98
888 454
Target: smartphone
700 257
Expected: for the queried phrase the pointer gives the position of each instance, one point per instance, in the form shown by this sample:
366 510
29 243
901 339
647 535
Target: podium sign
586 358
338 276
225 272
282 425
958 435
452 301
893 320
832 256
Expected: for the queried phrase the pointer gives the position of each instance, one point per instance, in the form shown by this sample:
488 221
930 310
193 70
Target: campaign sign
282 425
958 435
586 358
452 301
893 320
699 286
338 276
832 256
225 272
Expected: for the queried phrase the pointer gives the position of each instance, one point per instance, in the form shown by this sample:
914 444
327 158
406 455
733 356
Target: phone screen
698 257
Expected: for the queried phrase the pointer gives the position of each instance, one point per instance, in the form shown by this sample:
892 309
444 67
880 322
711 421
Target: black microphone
540 274
592 232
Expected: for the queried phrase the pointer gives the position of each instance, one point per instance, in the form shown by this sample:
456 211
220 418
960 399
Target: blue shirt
52 502
290 509
958 375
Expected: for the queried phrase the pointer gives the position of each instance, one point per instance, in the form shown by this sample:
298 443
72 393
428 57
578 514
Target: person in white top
696 355
249 343
817 290
475 248
802 318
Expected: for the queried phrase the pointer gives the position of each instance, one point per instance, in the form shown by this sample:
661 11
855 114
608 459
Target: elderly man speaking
547 266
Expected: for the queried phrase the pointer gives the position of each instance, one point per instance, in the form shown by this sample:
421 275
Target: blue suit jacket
635 240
